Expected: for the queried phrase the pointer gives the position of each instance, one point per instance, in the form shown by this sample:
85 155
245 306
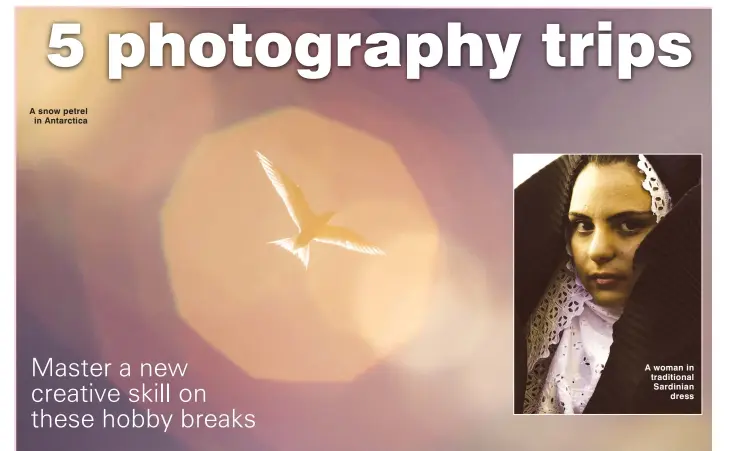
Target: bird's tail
303 253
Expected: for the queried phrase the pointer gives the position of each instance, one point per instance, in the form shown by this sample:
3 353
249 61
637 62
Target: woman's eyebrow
630 214
577 215
620 215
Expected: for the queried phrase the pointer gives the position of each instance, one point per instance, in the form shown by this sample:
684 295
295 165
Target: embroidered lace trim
661 202
565 299
577 363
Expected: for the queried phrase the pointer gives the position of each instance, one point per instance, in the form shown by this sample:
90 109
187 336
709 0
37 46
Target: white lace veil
565 297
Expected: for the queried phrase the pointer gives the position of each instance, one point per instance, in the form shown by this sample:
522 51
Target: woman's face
610 214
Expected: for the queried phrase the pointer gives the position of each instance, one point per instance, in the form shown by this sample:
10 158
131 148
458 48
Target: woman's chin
608 298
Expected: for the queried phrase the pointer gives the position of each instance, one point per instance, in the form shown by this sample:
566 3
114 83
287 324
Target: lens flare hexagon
256 302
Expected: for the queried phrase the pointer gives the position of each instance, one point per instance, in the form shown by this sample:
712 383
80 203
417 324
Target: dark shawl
660 325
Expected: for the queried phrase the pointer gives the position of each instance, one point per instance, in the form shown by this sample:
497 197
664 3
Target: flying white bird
311 227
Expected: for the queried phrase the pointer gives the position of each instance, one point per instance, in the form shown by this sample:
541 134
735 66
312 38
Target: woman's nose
602 248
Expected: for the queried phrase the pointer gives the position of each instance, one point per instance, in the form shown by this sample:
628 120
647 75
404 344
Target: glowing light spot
245 296
41 85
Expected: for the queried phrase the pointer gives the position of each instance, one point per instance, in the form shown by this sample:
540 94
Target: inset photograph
608 284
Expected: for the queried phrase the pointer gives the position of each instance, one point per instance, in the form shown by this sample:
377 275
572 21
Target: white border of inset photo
524 167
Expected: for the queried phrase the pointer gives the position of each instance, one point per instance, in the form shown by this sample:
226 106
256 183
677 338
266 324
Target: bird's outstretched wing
303 253
343 237
292 196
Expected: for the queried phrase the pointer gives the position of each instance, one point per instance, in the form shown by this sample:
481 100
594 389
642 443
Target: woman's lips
607 280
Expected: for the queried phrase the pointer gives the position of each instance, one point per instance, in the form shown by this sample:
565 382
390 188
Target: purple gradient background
141 235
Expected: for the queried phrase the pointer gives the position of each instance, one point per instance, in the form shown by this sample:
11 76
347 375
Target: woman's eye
581 227
630 226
